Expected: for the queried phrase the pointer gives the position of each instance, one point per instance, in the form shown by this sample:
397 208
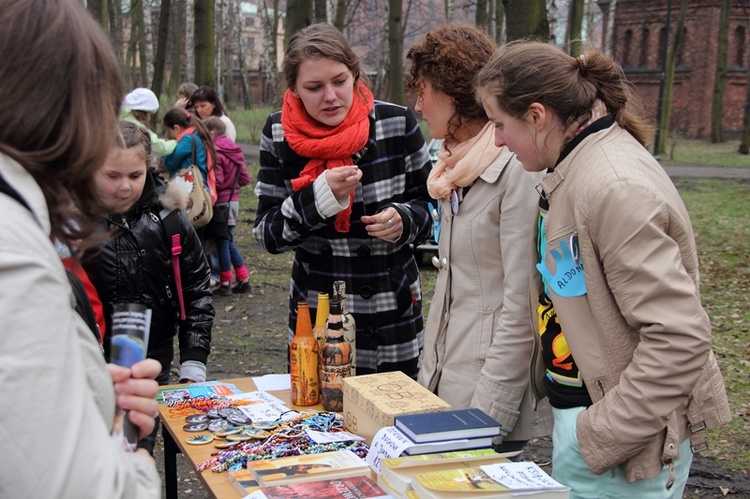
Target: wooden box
372 401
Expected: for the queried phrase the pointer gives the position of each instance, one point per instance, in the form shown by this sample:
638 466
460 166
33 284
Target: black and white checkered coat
382 280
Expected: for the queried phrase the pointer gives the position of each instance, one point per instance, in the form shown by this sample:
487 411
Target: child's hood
225 146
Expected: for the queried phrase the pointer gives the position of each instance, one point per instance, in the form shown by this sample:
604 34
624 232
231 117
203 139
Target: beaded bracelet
288 439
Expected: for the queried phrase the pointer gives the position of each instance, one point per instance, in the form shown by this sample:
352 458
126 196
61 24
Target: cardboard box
372 401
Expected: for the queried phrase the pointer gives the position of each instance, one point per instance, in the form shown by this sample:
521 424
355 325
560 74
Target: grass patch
717 209
249 123
702 152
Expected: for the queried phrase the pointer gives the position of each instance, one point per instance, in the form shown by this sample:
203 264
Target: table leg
170 465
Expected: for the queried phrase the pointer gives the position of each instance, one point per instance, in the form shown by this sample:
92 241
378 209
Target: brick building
638 44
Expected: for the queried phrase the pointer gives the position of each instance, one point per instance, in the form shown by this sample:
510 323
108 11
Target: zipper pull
169 292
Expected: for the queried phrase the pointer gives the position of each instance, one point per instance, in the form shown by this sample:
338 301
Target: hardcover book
449 445
359 487
447 425
373 401
399 478
308 467
243 481
498 480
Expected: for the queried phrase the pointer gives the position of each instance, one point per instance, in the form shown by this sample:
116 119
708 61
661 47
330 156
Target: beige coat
478 338
639 335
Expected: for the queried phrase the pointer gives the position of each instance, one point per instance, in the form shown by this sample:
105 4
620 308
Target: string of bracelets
240 440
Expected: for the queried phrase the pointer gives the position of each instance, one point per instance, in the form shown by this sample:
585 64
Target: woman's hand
385 225
136 391
182 102
343 180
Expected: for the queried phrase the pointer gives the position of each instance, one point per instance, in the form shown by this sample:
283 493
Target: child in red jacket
230 166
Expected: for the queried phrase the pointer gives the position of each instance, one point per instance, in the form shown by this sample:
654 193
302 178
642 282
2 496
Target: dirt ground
249 340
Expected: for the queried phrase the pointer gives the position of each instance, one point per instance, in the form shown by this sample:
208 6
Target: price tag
388 442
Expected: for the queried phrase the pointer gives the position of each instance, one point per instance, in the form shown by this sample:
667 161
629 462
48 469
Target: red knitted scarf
325 146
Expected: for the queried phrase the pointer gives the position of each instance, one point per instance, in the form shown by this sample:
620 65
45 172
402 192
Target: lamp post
662 82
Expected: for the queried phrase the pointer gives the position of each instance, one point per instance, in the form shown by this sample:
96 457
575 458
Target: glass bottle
303 360
335 361
350 327
321 316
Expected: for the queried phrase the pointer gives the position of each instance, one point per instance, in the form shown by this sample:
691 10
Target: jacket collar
492 172
556 176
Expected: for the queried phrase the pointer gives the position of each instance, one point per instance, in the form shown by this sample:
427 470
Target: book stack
359 487
308 467
448 430
499 480
397 473
372 401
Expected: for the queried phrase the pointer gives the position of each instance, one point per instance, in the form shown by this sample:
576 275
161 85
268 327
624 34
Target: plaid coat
383 290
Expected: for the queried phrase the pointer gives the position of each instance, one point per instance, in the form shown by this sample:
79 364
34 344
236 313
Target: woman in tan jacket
478 338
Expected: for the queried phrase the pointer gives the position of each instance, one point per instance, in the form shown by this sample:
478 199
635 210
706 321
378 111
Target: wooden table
216 484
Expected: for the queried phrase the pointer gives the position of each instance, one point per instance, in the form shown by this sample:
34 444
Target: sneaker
243 287
224 290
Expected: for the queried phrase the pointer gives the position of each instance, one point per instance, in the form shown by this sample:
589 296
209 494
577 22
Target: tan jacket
478 338
55 439
639 335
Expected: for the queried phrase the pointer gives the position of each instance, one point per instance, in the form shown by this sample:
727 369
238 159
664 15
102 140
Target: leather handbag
200 210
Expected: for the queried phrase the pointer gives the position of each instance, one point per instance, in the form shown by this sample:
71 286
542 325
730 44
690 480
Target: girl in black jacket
134 264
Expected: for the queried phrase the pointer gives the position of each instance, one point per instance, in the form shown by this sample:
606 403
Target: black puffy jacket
133 266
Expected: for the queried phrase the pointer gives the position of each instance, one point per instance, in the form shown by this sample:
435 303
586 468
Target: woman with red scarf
342 183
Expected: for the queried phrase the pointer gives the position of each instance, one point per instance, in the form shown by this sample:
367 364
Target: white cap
141 99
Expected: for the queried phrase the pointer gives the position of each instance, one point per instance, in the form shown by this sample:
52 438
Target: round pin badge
195 427
225 444
200 439
218 424
213 414
196 418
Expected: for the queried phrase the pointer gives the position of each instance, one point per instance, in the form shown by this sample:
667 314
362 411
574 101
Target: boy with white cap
138 107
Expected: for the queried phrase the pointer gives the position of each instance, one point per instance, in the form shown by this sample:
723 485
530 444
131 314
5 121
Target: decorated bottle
321 316
350 328
335 361
303 360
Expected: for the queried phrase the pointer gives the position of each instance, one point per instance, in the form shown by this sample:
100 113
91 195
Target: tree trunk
669 81
499 21
114 9
340 18
745 143
98 10
269 57
320 11
233 24
574 28
526 19
147 55
137 50
395 53
204 43
610 29
190 41
298 14
590 22
178 30
161 47
247 99
481 15
720 80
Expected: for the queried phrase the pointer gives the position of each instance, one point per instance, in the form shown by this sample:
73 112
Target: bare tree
499 21
247 99
298 15
669 81
720 80
161 47
114 12
205 73
98 10
610 30
395 53
190 40
574 27
178 30
526 19
269 55
481 15
320 11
